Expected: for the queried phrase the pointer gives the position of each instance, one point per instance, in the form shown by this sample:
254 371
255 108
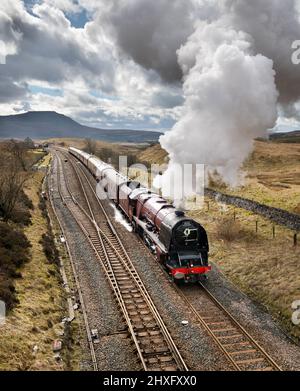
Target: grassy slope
274 175
154 155
35 321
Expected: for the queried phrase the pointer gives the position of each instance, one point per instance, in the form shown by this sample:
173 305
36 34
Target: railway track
154 344
75 274
240 348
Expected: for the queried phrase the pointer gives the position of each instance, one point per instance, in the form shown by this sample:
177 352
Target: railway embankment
34 323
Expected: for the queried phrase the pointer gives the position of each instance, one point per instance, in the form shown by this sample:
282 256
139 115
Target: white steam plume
230 98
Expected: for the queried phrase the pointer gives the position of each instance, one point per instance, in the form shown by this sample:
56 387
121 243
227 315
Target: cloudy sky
114 63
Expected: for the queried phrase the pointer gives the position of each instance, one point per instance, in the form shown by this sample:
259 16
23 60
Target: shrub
228 230
8 292
14 252
14 249
21 212
43 208
49 248
21 215
25 200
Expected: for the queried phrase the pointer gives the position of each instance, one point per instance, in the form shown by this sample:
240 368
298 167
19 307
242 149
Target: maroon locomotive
179 242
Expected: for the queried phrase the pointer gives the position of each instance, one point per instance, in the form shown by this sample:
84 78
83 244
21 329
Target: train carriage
80 155
96 167
124 200
111 180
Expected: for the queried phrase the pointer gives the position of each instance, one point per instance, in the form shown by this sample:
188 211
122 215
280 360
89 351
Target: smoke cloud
230 98
150 32
273 26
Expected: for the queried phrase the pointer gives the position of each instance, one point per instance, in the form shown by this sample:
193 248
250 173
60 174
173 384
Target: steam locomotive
178 242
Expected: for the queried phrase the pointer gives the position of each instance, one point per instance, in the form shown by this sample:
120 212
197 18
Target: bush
14 249
8 293
21 215
25 201
43 208
229 230
14 252
49 248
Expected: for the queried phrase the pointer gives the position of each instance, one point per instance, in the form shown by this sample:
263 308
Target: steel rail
75 274
248 339
253 342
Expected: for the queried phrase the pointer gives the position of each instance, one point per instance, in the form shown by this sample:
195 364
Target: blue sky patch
46 91
78 20
101 95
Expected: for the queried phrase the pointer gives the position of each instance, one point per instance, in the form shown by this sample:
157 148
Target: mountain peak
50 124
42 114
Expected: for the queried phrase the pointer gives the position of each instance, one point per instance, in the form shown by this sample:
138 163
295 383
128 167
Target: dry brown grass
273 175
154 155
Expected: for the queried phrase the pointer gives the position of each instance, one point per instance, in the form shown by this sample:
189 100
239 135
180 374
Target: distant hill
49 124
287 137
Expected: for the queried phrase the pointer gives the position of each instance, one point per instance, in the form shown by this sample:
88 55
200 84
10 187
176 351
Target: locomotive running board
152 236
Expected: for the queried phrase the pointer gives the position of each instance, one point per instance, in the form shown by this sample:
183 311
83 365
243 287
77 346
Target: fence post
274 231
295 239
208 206
234 214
